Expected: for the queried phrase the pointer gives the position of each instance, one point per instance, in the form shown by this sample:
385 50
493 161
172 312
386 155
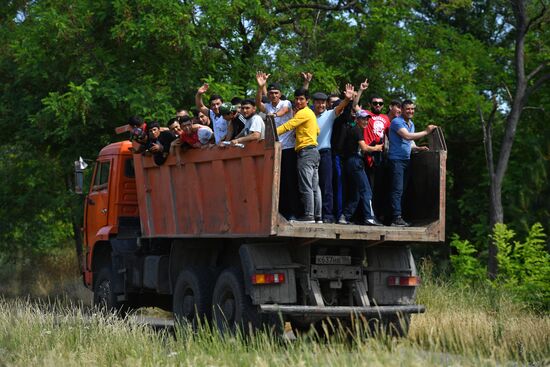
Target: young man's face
248 110
300 102
320 106
274 96
362 122
376 105
229 116
203 119
332 101
395 110
175 128
215 105
187 129
408 111
154 132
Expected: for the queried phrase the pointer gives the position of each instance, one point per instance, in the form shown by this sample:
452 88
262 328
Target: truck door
97 201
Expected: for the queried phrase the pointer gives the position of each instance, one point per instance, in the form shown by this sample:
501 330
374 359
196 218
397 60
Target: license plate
332 260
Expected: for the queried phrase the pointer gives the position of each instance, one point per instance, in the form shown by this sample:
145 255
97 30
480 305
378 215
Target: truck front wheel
232 307
193 295
104 297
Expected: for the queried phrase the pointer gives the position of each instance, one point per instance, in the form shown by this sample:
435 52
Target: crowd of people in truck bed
332 150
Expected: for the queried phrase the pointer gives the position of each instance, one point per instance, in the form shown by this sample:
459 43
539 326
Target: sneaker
328 220
399 222
343 220
372 222
305 219
318 220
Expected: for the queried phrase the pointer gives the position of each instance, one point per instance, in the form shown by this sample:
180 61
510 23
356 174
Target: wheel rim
188 306
228 306
104 293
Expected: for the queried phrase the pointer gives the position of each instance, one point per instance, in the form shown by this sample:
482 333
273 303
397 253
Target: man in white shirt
254 127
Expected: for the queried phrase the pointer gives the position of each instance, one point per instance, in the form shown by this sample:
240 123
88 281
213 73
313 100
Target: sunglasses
377 103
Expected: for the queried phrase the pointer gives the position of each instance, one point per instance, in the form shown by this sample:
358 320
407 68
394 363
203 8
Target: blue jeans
325 183
399 176
308 181
361 192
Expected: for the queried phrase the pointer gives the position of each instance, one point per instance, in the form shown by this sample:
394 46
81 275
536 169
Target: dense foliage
524 267
71 71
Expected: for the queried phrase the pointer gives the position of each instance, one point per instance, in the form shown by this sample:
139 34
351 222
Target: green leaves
524 267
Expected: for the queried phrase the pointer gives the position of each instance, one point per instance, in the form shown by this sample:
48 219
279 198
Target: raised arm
198 99
307 76
349 97
362 87
261 79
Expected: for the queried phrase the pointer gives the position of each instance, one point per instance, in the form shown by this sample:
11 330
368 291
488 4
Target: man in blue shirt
325 120
402 138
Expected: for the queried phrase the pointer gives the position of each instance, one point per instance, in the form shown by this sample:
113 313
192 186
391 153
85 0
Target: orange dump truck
204 238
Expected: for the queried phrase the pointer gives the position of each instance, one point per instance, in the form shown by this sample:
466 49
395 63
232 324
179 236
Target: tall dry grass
462 327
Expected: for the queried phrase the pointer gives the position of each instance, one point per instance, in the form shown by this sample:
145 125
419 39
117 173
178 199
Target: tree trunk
496 212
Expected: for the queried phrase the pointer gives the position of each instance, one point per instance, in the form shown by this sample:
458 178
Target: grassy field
462 327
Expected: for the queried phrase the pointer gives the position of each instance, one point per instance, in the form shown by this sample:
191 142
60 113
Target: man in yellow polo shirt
307 130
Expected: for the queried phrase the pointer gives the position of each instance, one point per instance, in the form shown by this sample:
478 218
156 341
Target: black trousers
289 198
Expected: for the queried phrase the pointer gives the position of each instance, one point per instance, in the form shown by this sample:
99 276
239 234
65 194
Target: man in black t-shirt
158 143
360 192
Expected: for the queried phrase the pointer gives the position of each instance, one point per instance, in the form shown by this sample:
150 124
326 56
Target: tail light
262 278
403 281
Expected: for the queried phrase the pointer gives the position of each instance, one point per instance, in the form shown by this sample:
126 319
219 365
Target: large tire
393 326
104 297
192 300
233 309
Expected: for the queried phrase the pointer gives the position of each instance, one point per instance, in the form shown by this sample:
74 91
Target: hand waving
203 89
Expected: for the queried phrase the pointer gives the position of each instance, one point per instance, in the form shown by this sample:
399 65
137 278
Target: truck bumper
342 311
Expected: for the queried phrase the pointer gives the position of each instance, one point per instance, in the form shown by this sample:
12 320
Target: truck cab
110 207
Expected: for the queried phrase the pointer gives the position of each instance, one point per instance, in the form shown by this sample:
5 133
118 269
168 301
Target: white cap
205 134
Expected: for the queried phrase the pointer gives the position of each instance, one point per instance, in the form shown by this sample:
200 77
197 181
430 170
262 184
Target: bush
523 267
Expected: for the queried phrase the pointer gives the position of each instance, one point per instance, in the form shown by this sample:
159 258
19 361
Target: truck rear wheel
193 295
232 307
394 326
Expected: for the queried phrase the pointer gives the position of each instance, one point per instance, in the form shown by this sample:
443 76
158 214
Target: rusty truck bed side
234 192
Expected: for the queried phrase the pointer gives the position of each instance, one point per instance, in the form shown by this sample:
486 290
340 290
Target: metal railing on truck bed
234 192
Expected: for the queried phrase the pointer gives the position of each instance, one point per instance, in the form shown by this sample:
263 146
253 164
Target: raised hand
364 85
350 90
261 78
307 76
203 89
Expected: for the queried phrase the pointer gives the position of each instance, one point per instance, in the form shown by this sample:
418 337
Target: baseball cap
362 114
274 86
226 108
205 134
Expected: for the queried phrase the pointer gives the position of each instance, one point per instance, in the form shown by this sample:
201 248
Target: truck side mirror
79 167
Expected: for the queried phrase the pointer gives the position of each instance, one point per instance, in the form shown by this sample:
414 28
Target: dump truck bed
234 193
